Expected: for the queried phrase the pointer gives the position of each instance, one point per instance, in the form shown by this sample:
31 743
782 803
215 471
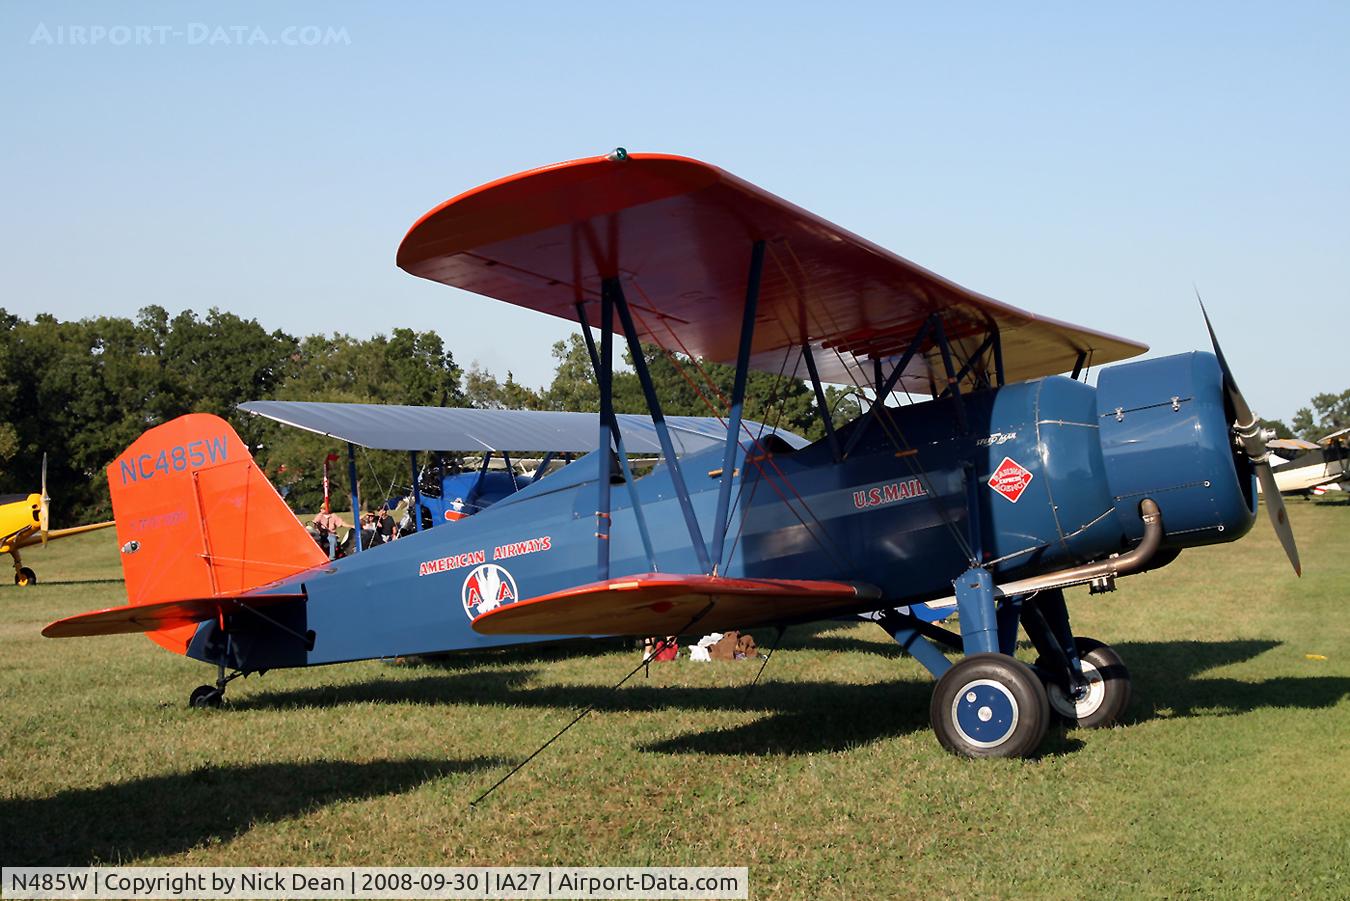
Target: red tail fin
196 518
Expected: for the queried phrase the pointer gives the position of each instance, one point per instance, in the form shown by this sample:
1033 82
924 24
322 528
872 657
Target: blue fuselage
1050 472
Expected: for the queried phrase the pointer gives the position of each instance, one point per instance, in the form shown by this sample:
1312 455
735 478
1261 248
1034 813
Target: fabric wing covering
391 427
666 603
678 234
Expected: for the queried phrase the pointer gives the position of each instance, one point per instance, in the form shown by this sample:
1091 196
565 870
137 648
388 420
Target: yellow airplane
23 523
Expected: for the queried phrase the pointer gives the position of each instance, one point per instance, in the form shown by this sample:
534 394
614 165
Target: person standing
385 529
328 524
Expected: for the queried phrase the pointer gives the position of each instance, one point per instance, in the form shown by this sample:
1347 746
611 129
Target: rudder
196 518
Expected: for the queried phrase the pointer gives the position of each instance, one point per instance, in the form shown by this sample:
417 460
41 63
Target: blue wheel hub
984 713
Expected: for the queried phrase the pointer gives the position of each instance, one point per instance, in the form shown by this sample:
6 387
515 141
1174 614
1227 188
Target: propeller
44 511
1252 439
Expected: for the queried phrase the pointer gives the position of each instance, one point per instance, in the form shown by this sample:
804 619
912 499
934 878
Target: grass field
1229 776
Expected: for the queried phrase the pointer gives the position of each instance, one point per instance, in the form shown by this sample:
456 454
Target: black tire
1108 688
989 705
205 696
25 577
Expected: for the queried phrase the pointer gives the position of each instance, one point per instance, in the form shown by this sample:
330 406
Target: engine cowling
1165 434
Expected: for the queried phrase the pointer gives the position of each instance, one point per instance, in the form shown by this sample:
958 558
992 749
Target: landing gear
212 696
989 705
206 696
23 576
1105 691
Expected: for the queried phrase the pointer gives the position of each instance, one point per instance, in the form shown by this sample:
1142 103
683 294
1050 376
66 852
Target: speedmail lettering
889 494
181 458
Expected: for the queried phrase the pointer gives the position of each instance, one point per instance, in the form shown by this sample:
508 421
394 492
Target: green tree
1278 427
1332 415
684 386
9 436
573 388
408 367
483 391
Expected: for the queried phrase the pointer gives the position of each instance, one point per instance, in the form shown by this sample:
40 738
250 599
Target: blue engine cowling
1166 434
1085 458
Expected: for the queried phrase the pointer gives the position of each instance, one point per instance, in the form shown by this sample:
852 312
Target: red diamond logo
1010 479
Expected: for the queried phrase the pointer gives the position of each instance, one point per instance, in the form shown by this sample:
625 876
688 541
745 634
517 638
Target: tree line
81 391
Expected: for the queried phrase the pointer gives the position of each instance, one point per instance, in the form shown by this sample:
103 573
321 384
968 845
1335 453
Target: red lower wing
666 604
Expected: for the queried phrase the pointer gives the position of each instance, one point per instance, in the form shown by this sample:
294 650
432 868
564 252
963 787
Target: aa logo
488 587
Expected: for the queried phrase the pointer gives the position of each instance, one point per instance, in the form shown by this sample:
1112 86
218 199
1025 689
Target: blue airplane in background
1007 483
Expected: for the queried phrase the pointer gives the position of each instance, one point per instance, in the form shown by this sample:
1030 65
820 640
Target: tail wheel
206 696
990 705
1107 693
25 577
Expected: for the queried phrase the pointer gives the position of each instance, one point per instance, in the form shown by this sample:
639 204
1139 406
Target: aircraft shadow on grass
815 716
173 813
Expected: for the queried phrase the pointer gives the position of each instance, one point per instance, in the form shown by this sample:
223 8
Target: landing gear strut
1100 697
23 576
211 696
990 705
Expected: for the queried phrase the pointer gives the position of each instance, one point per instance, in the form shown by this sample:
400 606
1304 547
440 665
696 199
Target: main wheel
205 696
25 577
1107 693
989 705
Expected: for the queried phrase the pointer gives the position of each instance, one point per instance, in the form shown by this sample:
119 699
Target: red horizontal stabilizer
663 604
159 615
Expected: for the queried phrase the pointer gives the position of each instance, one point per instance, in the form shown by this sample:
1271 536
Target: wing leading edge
678 234
665 604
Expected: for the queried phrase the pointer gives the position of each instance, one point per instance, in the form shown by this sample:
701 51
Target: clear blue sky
1084 163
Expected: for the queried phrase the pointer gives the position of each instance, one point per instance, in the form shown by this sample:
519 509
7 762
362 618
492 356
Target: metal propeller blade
1253 440
44 510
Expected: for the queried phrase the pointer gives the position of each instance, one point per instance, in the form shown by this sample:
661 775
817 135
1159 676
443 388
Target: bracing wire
576 719
891 429
756 460
751 687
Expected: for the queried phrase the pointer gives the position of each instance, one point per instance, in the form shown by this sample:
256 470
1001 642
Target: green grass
1229 776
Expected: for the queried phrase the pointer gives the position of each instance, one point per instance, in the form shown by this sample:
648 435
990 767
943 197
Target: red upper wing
679 233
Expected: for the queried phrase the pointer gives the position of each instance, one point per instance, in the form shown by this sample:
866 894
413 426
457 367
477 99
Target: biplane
1307 467
25 522
1003 483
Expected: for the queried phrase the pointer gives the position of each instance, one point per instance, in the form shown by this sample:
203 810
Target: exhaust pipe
1103 572
1100 575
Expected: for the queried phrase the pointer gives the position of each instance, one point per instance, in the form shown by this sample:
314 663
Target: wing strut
958 405
821 403
615 291
885 390
737 403
605 379
619 449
